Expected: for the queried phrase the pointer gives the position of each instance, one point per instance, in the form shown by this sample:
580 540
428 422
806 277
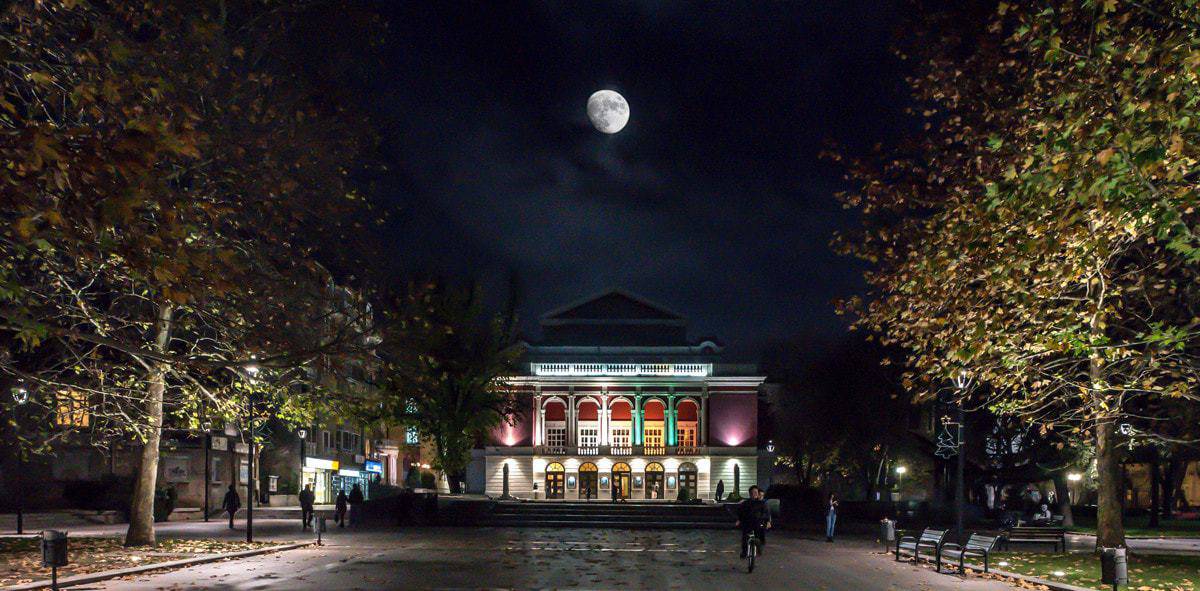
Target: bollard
320 529
54 553
1114 567
887 533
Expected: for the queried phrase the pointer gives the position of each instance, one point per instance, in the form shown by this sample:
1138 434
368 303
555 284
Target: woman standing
831 517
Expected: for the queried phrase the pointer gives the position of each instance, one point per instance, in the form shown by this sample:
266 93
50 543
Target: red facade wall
733 420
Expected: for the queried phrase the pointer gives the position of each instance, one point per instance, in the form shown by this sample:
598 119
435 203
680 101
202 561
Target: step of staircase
609 515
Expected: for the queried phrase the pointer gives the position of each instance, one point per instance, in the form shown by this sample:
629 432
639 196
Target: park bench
1056 536
977 545
930 538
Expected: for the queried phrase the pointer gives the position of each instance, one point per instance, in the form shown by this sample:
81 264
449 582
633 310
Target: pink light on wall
733 419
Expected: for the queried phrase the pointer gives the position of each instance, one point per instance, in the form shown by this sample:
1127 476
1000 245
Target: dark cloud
712 200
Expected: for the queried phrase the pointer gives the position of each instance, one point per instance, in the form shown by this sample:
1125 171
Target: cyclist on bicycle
753 515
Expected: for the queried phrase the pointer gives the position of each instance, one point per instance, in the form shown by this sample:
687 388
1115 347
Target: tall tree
1042 233
445 359
169 177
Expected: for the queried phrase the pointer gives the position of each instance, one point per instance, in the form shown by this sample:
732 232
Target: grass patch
1146 572
1137 526
21 558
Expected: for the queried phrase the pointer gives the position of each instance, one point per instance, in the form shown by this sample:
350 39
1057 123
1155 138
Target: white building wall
520 476
722 470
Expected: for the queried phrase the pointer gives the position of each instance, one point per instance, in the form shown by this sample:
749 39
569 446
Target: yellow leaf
1105 155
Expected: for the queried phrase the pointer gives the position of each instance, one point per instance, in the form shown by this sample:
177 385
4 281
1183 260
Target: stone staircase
600 514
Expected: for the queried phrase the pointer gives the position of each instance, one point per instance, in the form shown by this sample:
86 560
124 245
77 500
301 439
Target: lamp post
303 435
900 471
962 381
252 370
20 397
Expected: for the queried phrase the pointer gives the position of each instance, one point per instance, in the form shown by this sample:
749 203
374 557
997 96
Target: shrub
428 480
733 497
685 495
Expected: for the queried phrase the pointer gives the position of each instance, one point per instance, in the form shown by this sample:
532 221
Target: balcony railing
623 369
620 450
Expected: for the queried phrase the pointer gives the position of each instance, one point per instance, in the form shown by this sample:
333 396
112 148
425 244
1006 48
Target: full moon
608 111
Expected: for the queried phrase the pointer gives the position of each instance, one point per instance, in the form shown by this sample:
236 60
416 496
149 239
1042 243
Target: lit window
72 409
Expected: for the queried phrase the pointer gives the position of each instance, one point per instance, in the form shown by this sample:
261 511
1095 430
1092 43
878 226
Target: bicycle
751 551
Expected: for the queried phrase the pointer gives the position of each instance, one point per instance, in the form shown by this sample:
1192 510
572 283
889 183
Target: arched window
555 467
588 467
654 467
620 467
687 467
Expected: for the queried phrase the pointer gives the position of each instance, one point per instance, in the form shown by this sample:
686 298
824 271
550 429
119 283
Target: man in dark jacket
753 515
231 504
339 509
307 499
356 501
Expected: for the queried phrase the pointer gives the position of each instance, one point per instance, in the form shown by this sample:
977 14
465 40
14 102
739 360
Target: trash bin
1114 568
54 548
887 532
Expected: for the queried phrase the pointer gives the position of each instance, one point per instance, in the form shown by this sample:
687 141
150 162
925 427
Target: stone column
703 418
540 428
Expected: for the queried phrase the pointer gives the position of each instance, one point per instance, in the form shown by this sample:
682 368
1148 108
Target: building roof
613 306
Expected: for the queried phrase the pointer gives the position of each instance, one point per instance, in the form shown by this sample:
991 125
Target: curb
124 572
1053 585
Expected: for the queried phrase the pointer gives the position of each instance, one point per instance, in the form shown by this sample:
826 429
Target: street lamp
303 435
1073 477
900 471
20 396
252 371
963 382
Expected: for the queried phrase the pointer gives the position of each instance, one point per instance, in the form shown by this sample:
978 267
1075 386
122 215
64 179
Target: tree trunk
141 511
1110 531
1155 484
1063 491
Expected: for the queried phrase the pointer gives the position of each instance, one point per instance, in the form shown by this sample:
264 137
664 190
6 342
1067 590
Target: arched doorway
620 480
687 425
555 481
653 421
620 429
654 480
555 438
589 482
588 435
687 478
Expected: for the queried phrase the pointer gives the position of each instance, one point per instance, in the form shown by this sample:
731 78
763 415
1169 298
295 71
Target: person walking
307 499
356 501
339 509
831 517
231 504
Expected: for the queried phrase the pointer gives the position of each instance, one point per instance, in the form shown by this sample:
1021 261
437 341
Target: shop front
320 474
346 478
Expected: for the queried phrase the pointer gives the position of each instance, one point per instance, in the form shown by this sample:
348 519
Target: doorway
620 480
589 481
555 481
687 478
654 480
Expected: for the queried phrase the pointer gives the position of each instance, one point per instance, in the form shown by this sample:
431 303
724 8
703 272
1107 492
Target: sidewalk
266 530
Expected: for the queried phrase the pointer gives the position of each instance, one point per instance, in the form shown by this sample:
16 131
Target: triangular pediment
613 305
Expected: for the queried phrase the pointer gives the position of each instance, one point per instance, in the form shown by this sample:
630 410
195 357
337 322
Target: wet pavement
529 558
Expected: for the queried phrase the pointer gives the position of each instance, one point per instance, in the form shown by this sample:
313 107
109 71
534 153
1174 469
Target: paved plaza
529 558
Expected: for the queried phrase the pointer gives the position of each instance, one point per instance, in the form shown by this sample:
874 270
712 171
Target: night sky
713 200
